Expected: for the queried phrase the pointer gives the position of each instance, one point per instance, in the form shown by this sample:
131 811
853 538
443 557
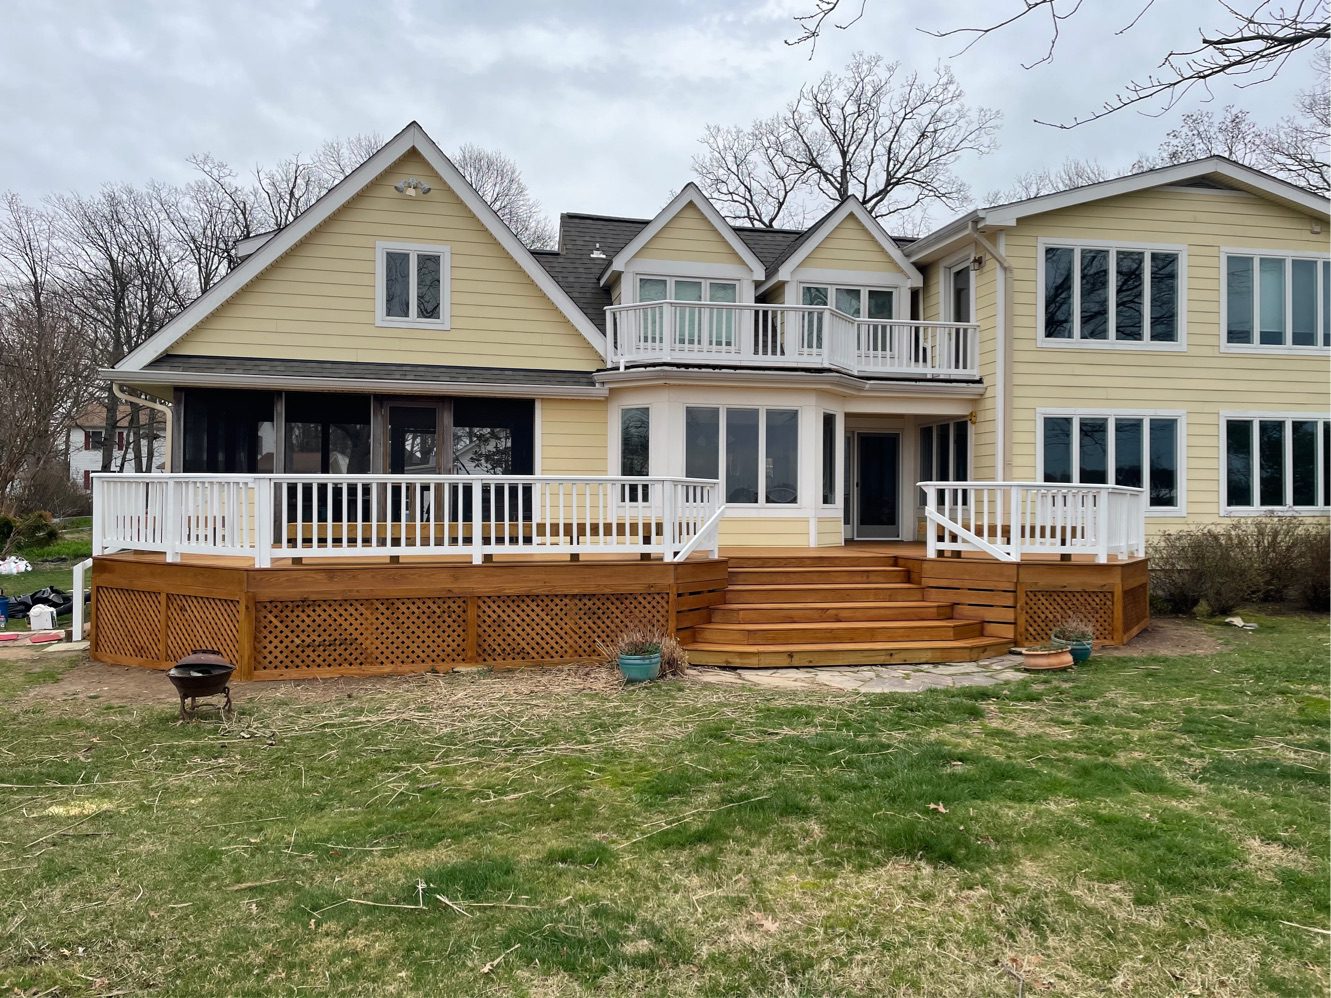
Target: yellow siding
317 302
573 436
1202 381
850 246
689 236
831 533
749 531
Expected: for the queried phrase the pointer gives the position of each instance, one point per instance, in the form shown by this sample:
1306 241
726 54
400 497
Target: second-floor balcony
716 334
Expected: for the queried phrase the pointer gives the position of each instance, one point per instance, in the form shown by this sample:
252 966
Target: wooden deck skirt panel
295 621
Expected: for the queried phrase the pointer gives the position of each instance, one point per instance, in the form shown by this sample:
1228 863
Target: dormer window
412 285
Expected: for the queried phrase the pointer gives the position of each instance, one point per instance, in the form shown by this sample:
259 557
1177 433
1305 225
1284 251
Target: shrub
1269 544
1189 567
1309 570
1074 629
35 530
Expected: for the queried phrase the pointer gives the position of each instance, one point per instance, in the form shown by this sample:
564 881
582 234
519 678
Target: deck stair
842 609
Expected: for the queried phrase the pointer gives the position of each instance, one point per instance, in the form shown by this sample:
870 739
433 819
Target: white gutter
1002 351
167 414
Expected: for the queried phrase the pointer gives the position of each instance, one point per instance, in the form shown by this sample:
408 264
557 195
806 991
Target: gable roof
411 138
1215 171
783 268
689 195
574 267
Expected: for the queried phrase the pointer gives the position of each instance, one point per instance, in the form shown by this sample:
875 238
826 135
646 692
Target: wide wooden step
863 653
825 592
748 613
836 632
813 561
848 576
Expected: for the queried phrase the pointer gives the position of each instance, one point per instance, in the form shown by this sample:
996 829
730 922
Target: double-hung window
701 318
1276 462
1137 450
753 451
1276 301
412 285
1101 295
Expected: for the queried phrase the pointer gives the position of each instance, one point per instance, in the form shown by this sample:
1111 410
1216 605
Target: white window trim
706 283
1180 448
795 507
445 320
1075 343
835 286
1286 349
1222 444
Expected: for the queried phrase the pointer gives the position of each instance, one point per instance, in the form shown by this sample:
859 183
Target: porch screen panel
227 432
494 436
327 434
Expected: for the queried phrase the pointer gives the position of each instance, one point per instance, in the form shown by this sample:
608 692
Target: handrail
710 528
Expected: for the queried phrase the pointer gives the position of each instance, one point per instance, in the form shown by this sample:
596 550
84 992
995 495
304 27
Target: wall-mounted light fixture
412 187
596 253
977 262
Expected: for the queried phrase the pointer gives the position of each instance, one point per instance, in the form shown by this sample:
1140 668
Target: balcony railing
330 516
792 336
1008 520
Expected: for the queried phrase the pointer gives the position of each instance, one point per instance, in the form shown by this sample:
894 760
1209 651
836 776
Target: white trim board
411 138
851 206
445 254
689 195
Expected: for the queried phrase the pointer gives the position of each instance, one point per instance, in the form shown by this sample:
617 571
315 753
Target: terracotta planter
1046 658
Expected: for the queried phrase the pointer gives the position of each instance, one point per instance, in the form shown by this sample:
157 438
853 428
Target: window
635 431
754 452
867 303
1111 294
692 326
829 459
944 450
959 293
330 434
227 431
1128 449
1277 462
1276 301
412 285
92 439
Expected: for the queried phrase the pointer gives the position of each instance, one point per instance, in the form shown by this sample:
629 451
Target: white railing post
171 525
263 522
477 554
79 588
1014 544
98 515
667 520
1102 497
931 505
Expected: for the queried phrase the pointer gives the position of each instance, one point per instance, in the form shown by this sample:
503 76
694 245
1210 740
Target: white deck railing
331 516
1009 520
748 335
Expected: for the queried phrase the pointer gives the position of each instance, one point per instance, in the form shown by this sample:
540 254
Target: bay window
1276 462
412 285
1276 300
753 451
1136 450
1111 295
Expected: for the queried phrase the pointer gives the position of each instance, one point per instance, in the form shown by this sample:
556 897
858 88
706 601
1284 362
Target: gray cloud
600 104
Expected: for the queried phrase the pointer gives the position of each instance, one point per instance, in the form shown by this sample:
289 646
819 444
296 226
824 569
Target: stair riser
744 658
914 630
812 614
827 561
837 576
836 594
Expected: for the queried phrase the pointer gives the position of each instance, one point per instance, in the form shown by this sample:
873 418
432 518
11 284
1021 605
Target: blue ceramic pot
1081 651
640 668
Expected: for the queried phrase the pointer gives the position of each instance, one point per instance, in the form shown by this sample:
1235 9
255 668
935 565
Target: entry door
877 485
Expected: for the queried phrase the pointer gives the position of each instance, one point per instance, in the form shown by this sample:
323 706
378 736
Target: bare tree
1255 42
1297 147
1231 133
889 136
1033 183
499 181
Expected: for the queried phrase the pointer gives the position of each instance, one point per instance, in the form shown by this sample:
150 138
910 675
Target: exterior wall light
977 262
412 187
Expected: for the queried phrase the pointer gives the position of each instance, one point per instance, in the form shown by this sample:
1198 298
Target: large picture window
1277 462
412 285
1276 301
753 451
1111 295
1129 449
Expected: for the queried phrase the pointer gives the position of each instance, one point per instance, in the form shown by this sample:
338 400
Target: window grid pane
1093 451
1271 298
1164 463
1058 293
427 285
1164 297
1128 445
1094 294
829 458
1303 462
1238 462
781 477
1058 449
1303 303
1239 299
397 285
742 455
1129 270
702 442
1271 458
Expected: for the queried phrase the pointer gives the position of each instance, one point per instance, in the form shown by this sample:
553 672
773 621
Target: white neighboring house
84 445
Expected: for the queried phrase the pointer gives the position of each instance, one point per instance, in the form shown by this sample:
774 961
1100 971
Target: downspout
167 416
1002 350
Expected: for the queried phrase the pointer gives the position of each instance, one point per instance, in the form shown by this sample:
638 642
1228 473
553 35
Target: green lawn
1142 827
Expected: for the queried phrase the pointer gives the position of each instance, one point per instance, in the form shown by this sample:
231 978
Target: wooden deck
872 602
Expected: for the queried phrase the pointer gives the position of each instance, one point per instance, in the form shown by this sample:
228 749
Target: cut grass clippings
1143 826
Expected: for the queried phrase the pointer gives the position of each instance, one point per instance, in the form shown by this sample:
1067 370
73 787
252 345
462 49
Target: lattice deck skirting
312 621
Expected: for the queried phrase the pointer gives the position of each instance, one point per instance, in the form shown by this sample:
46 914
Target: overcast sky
600 103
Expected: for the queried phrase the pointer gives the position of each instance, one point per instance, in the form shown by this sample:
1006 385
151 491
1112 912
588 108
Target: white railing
330 516
749 335
1009 520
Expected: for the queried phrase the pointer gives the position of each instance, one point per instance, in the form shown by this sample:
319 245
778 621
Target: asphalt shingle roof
366 371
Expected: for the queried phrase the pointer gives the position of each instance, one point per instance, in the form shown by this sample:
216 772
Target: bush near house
1260 560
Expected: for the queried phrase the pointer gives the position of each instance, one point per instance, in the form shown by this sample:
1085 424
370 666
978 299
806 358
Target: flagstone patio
871 678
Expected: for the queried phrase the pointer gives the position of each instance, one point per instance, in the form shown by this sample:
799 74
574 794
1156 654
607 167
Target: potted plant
1078 634
638 653
1050 655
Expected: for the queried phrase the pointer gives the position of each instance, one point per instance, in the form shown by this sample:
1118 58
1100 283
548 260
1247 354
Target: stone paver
871 678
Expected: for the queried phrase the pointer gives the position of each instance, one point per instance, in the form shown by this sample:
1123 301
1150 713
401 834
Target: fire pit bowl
202 673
